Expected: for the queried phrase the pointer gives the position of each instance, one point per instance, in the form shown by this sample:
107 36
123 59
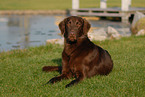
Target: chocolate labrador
81 58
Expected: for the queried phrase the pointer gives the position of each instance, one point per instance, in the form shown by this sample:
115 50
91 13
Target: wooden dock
108 12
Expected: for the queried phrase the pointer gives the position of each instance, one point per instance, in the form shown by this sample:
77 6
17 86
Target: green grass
58 4
21 75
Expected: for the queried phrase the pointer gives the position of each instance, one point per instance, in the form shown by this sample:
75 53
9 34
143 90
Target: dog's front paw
52 81
69 85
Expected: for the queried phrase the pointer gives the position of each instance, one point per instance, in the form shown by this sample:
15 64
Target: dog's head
74 27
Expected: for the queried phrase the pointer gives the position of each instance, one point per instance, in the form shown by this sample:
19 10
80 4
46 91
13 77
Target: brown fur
80 58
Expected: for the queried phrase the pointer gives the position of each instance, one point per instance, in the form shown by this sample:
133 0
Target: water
23 31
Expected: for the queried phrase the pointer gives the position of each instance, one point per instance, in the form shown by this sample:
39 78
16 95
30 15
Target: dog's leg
65 70
52 68
58 78
76 81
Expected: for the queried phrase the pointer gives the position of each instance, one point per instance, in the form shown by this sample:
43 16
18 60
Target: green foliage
21 75
139 25
58 4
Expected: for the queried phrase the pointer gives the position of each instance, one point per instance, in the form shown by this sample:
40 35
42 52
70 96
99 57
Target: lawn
21 74
59 4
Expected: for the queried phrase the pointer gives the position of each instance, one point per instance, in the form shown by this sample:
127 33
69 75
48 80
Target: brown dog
80 58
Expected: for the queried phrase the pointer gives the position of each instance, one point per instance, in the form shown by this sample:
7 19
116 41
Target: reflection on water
24 31
33 30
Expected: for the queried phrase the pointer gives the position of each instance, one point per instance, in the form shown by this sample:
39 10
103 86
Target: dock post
125 5
124 8
103 4
125 17
75 4
129 4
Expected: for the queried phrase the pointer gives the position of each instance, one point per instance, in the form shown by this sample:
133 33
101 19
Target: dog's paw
68 85
52 81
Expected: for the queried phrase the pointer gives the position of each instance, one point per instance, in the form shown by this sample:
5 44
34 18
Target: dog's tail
52 68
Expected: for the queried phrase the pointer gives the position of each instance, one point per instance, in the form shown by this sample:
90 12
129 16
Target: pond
23 31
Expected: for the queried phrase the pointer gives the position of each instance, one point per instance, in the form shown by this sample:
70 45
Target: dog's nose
72 32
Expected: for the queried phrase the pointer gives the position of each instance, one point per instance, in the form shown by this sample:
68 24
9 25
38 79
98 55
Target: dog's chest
69 50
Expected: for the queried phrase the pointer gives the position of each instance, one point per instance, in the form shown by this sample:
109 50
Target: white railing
125 4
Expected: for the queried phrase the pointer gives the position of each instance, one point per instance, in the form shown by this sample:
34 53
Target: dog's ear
62 26
86 27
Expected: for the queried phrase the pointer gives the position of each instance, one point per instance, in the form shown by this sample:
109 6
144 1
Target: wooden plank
109 12
99 14
112 9
97 9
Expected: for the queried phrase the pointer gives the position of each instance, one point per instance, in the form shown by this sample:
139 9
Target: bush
140 24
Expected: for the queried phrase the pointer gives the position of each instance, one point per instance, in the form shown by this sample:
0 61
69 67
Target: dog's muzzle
72 36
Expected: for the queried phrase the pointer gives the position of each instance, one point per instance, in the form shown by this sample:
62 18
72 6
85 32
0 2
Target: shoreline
32 12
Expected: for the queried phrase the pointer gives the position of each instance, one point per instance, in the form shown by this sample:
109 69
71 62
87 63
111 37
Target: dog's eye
77 23
69 22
